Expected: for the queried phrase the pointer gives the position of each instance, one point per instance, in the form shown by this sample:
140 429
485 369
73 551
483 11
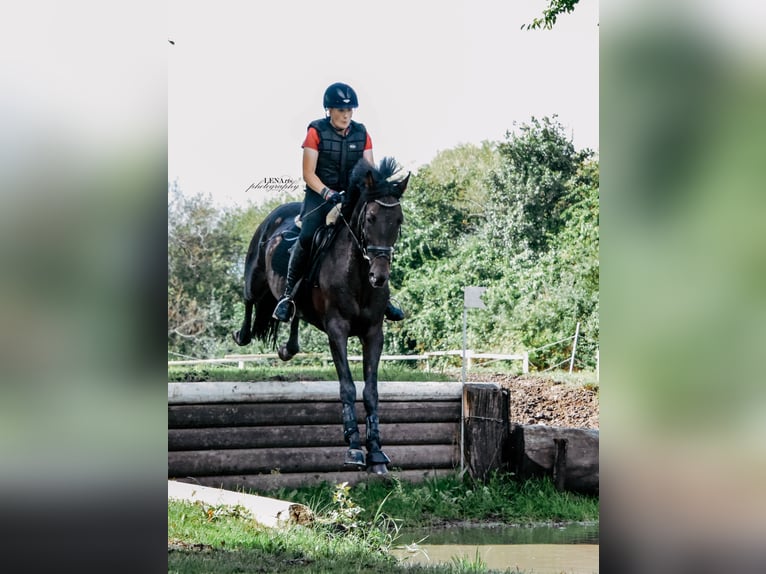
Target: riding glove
331 195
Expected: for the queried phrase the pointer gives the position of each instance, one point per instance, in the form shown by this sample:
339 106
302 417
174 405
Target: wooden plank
310 459
299 391
307 413
267 482
305 435
270 512
486 428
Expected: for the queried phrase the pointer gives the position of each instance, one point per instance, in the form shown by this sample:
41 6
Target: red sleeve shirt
312 140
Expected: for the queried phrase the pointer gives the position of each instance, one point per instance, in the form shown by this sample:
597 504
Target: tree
532 241
444 202
551 14
203 282
528 194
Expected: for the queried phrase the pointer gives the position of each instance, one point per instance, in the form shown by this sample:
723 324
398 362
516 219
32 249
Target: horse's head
378 214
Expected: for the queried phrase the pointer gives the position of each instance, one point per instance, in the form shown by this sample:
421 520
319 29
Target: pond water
571 549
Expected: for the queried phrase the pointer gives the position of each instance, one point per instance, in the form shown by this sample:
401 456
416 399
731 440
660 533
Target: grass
454 498
234 543
343 539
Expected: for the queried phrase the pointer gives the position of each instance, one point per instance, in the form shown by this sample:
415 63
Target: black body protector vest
338 154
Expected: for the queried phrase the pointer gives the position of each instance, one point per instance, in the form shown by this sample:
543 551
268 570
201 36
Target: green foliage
203 278
533 244
206 253
550 14
532 190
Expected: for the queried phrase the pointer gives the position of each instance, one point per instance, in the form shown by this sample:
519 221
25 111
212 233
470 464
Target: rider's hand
331 195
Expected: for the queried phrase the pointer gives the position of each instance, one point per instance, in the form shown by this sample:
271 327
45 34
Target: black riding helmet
340 95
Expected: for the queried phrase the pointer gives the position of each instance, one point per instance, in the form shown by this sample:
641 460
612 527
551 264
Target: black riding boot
285 309
393 313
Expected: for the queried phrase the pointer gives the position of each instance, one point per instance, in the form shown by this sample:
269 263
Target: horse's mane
368 182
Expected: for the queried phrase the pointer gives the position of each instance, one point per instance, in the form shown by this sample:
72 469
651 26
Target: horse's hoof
239 341
377 457
284 354
379 469
354 457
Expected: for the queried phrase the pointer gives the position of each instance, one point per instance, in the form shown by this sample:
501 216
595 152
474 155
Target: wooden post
559 463
525 363
485 427
574 346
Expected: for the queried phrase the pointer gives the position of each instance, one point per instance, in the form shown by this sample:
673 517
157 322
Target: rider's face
341 117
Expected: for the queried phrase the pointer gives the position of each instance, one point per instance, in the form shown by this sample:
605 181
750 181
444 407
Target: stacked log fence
278 434
275 434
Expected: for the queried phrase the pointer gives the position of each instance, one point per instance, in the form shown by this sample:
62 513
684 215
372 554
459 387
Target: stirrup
285 310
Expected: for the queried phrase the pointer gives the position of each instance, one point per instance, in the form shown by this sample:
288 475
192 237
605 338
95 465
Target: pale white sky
245 79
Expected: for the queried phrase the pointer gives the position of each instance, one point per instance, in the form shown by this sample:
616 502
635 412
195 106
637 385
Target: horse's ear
401 185
369 181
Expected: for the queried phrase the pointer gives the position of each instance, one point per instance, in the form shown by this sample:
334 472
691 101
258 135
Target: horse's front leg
372 347
337 333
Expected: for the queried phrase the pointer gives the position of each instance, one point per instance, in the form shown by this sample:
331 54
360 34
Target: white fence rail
240 360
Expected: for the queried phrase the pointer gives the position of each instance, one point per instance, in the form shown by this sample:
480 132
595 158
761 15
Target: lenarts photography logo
283 183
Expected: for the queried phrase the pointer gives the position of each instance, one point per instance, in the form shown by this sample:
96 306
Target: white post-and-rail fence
240 360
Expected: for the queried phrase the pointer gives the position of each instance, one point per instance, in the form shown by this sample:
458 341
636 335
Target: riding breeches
313 214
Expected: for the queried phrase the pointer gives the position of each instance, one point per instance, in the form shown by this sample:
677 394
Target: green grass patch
223 540
232 543
455 498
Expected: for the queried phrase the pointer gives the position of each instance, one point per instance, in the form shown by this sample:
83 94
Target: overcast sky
245 78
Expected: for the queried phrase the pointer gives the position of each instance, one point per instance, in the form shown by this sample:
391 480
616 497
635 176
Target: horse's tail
265 327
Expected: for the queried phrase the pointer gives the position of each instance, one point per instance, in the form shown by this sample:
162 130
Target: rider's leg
285 308
313 213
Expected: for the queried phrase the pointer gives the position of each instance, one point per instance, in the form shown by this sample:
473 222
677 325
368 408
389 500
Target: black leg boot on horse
285 309
376 458
354 454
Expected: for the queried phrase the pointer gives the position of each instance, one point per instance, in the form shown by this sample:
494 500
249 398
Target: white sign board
472 297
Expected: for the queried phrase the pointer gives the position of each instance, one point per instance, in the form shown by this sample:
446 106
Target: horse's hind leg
292 347
244 336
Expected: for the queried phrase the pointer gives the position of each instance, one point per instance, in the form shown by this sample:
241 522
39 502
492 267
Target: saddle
322 239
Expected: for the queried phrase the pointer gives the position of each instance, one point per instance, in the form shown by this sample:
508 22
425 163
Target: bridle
370 252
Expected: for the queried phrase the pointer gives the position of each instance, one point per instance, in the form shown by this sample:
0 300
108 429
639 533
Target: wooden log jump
285 434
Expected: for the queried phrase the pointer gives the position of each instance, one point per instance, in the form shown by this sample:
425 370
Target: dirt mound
548 402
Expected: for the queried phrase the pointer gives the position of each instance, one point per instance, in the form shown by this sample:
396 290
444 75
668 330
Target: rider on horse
333 146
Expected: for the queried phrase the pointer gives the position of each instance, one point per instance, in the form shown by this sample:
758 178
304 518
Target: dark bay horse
345 298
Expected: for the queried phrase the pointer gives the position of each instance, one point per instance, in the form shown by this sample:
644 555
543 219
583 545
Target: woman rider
333 146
